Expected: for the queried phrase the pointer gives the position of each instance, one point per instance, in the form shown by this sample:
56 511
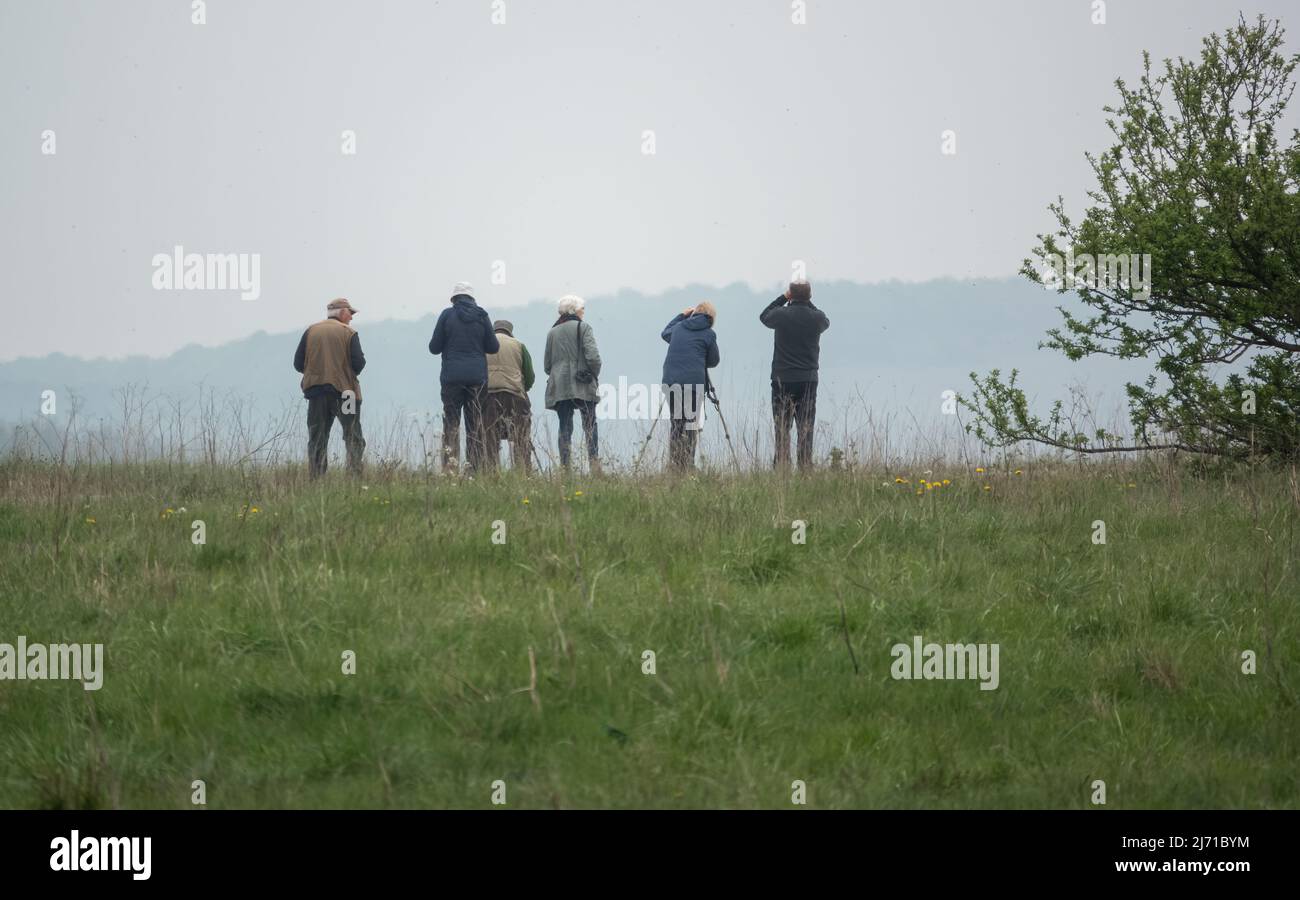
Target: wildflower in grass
987 488
90 520
1132 485
900 481
1019 472
525 501
979 470
577 493
946 482
166 513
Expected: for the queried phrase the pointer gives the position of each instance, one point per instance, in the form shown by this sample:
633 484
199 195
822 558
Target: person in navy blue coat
692 351
463 337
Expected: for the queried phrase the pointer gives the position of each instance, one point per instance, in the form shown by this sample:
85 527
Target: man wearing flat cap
508 414
330 359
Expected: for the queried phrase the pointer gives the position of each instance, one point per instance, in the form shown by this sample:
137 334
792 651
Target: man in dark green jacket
508 414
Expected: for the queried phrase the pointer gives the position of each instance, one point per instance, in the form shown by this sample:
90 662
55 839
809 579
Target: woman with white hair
572 365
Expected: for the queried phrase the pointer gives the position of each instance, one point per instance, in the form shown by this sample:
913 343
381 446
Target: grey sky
523 142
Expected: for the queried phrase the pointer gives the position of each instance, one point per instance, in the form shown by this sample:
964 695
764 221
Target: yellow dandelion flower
1019 472
987 488
900 481
979 469
577 493
525 501
946 482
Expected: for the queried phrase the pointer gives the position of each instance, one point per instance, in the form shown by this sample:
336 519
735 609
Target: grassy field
523 661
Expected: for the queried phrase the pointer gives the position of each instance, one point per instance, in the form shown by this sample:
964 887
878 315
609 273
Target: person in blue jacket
463 337
692 351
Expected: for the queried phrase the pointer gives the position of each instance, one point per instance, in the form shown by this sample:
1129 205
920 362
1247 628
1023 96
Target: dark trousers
564 409
684 408
794 401
322 410
508 417
463 400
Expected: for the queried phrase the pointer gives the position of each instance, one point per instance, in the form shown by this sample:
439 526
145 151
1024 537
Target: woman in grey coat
572 365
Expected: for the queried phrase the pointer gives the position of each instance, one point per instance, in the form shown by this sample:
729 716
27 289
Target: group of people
487 373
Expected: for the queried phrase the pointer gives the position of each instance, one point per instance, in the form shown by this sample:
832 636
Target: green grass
223 662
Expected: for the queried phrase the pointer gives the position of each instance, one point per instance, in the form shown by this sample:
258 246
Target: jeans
322 410
466 400
794 401
564 409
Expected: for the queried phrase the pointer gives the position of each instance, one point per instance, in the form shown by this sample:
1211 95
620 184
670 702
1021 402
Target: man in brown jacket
508 414
330 359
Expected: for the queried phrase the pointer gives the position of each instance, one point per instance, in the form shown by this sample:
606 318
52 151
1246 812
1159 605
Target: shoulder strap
581 353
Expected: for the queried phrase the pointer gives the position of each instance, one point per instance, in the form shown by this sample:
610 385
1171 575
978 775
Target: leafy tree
1199 180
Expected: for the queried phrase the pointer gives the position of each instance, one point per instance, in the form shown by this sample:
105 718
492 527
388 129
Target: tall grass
523 662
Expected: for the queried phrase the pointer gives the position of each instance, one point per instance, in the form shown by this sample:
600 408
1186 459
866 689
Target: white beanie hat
463 287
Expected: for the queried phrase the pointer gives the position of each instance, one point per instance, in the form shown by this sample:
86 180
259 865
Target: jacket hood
466 309
698 322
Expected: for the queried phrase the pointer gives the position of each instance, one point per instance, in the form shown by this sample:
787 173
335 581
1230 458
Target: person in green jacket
508 414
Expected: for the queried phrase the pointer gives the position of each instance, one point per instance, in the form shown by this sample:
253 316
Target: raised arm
668 329
768 315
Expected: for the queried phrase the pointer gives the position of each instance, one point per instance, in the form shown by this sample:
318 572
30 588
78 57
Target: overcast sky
523 142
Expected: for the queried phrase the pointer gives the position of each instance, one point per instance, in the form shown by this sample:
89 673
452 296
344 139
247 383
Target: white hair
571 305
333 313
